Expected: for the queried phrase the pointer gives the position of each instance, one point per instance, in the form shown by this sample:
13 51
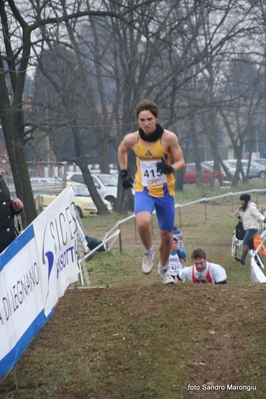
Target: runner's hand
127 182
164 168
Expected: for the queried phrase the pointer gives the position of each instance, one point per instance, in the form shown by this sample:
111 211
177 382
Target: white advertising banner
35 271
56 229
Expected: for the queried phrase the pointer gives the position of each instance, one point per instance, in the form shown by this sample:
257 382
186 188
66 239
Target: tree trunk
13 131
104 155
82 163
102 209
125 200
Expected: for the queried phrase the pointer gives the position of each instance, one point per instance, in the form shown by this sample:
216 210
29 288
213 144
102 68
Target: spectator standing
8 209
250 217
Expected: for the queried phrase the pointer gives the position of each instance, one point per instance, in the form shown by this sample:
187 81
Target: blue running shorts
164 208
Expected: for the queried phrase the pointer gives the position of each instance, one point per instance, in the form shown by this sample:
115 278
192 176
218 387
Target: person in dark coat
94 242
8 209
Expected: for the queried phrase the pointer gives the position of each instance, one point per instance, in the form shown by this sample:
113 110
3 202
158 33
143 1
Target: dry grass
138 339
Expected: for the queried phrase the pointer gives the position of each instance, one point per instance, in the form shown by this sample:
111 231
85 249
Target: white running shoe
166 277
147 263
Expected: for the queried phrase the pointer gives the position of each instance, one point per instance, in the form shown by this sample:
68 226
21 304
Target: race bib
149 175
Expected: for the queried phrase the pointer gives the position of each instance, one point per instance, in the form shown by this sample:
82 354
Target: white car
261 161
255 170
46 182
106 184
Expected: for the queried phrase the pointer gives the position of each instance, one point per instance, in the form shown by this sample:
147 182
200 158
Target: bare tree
62 94
245 98
144 49
21 27
204 92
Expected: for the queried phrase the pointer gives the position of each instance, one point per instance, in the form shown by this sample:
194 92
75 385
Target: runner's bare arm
172 144
126 144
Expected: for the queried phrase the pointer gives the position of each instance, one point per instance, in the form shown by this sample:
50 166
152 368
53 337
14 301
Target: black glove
127 182
164 168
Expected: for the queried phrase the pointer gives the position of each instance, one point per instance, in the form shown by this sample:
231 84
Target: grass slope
136 338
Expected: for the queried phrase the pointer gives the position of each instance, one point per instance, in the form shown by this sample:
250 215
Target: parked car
229 168
106 184
39 179
84 204
210 165
111 171
190 173
261 161
46 183
41 184
255 170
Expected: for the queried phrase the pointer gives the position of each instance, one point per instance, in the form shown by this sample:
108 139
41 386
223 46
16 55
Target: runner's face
200 264
147 122
174 246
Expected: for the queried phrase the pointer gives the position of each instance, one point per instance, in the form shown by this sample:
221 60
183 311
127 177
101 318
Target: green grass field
206 224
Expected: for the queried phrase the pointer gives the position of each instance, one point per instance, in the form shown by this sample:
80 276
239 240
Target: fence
115 232
203 201
256 275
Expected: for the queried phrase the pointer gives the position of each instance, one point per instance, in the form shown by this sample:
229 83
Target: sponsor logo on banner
35 271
